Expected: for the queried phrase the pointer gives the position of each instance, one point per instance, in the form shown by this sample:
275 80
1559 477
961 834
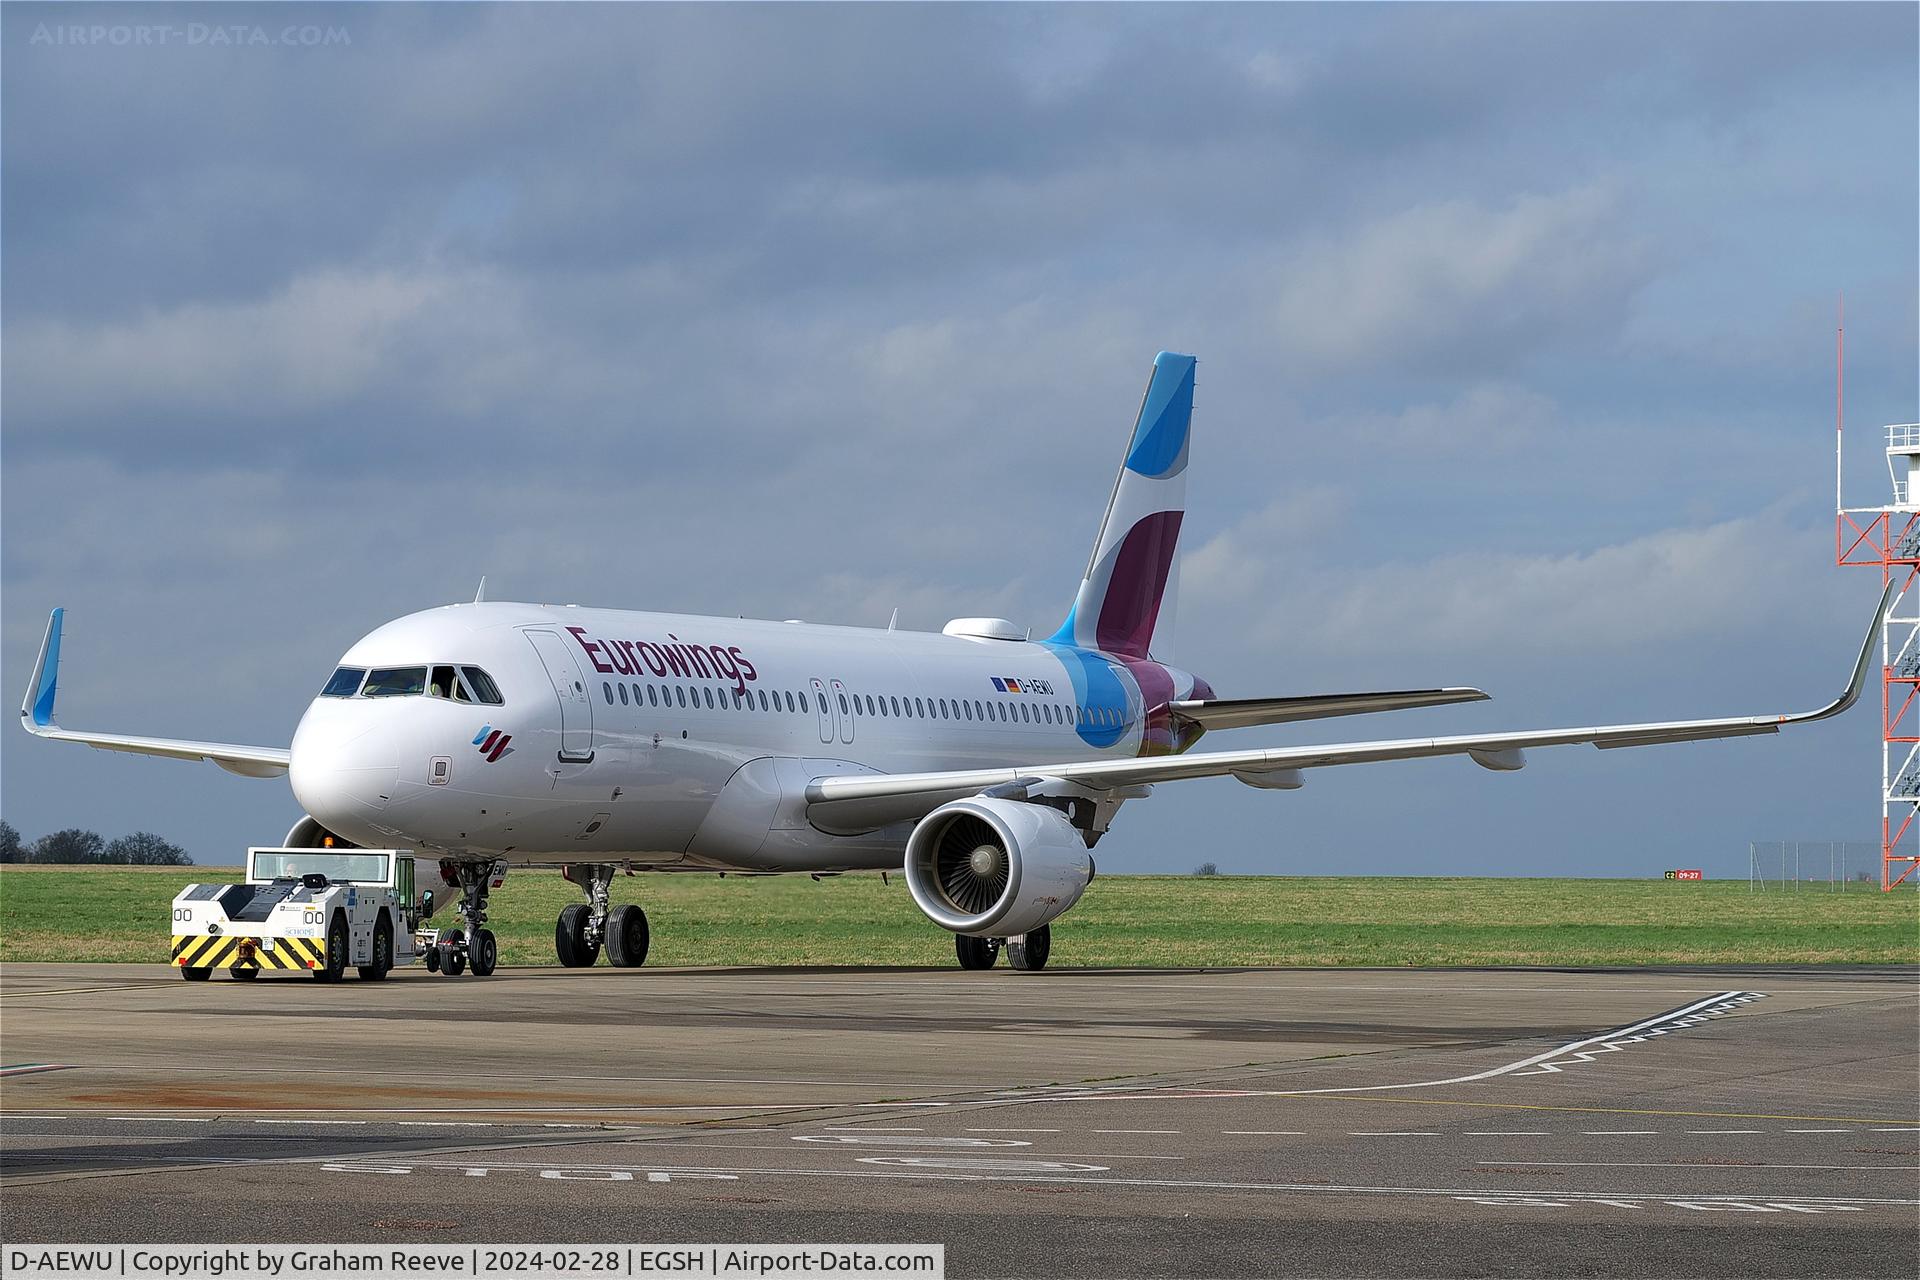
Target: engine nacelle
309 834
996 868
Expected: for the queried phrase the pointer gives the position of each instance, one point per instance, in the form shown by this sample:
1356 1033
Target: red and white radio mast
1887 538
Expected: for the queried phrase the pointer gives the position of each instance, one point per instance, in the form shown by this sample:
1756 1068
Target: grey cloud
816 311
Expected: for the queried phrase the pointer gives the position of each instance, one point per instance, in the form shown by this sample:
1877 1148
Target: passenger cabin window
396 682
345 683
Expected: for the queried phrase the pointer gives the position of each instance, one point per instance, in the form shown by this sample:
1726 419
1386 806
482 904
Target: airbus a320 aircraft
984 763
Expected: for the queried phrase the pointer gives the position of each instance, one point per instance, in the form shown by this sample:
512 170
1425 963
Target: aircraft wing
854 799
1242 713
36 716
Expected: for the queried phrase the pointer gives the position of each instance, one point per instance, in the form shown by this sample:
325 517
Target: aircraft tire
1030 953
453 954
974 953
627 937
484 952
570 938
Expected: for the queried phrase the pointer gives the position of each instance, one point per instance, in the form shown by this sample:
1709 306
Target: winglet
36 709
1858 682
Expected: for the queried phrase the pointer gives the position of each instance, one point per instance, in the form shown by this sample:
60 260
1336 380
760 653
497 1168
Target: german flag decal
219 951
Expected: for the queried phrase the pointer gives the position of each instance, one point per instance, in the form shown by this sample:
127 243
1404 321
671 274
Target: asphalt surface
1111 1123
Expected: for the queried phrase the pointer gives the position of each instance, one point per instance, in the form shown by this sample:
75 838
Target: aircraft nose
340 769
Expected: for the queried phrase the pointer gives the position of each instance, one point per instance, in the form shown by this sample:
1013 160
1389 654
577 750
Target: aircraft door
845 711
570 686
822 710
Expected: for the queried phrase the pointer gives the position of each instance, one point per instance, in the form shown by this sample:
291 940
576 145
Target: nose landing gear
584 928
475 948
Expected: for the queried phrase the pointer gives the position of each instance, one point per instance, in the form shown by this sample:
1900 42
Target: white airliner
983 762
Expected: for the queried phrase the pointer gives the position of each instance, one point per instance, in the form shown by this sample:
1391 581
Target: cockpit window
345 683
481 685
444 684
396 682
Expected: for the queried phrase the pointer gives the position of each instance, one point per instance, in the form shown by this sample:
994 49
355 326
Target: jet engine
996 868
309 834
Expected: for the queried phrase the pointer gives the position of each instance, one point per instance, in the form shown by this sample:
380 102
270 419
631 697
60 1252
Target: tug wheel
335 966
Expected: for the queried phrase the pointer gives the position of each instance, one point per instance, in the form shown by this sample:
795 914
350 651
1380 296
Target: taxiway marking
376 1164
1656 1164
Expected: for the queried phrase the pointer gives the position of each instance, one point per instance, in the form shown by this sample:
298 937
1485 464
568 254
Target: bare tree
1206 869
70 846
145 849
10 850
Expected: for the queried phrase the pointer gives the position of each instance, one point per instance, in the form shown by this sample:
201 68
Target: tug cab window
344 683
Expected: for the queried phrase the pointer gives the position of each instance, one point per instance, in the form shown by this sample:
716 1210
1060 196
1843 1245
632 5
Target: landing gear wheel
453 953
382 954
627 937
196 975
245 975
974 953
335 966
570 938
1030 952
484 952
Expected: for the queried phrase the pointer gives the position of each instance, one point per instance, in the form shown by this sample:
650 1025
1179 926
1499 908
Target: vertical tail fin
1120 600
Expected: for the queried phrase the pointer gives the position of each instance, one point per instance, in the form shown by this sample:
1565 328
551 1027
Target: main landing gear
585 928
457 950
1028 952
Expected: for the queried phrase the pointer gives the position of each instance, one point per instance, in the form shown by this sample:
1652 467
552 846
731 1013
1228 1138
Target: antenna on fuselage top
894 619
480 596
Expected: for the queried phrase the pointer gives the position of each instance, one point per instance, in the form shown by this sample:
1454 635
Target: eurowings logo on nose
492 742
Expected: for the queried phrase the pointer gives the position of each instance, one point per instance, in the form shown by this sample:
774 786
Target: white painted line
1816 1131
350 1164
879 1128
419 1124
1013 1131
1698 1131
1391 1133
1265 1133
1508 1133
1135 1131
311 1122
1544 1061
15 1115
1729 1168
1618 1133
165 1119
1897 1131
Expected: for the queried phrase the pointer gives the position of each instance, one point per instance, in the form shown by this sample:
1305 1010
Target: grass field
109 913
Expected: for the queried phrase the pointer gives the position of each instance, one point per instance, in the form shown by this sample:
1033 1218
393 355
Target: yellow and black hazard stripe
220 951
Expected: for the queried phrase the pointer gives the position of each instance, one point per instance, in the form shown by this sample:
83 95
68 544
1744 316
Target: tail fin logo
1122 601
492 743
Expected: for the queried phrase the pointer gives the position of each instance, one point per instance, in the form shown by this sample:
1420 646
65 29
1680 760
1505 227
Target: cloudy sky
1515 327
